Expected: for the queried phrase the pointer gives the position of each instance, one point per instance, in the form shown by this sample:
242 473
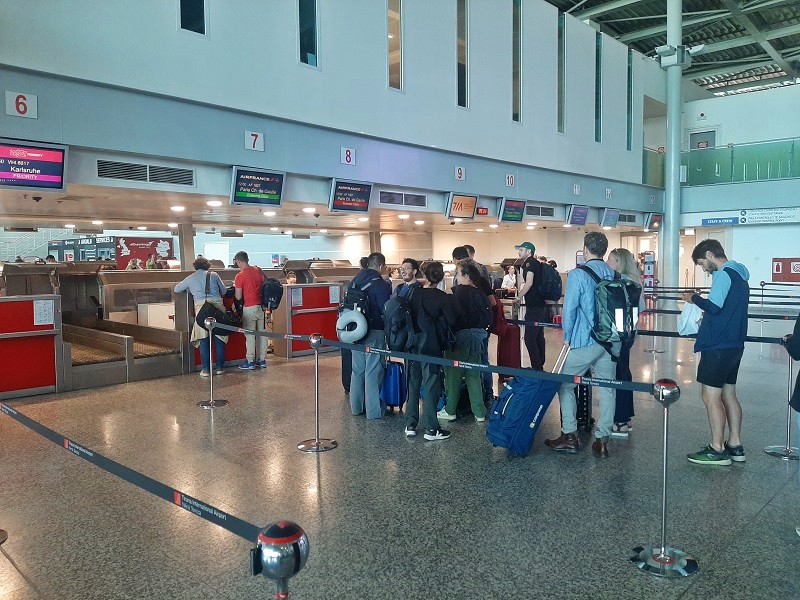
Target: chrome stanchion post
654 350
762 321
210 323
786 452
317 444
281 553
663 561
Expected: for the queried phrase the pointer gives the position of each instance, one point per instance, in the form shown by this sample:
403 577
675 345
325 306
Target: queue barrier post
316 444
654 349
281 553
786 452
211 404
662 560
762 321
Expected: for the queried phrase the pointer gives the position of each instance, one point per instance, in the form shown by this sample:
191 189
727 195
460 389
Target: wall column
374 241
186 245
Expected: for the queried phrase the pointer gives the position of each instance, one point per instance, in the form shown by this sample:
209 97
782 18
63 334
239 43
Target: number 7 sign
254 140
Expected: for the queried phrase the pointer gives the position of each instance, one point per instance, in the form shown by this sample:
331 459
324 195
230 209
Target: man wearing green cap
535 307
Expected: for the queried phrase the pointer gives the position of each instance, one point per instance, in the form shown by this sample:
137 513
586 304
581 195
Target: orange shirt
249 280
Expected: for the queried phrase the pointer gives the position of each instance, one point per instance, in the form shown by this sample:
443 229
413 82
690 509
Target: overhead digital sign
576 215
33 166
461 206
512 211
349 196
256 187
653 221
610 217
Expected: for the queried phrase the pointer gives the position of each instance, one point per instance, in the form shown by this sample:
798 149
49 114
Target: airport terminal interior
311 134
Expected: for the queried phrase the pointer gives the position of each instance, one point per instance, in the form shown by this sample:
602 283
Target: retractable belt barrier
647 388
666 311
212 514
758 302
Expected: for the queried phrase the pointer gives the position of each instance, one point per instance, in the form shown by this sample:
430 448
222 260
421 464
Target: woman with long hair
624 263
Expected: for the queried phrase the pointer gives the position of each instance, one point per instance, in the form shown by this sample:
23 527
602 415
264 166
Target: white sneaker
480 419
445 416
411 431
797 529
205 373
620 430
439 434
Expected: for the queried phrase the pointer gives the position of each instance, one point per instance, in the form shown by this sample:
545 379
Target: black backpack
398 322
357 298
616 308
435 329
271 293
549 285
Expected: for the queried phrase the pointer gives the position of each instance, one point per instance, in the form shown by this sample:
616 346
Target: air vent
627 218
22 229
110 169
170 175
539 211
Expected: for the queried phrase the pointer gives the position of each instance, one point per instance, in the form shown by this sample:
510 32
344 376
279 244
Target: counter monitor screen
576 214
256 187
512 211
653 221
461 206
610 217
25 166
350 196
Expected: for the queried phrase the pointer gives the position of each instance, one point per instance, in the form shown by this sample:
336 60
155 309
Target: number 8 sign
347 156
21 105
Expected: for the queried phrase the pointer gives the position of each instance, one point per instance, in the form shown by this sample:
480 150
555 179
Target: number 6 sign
19 104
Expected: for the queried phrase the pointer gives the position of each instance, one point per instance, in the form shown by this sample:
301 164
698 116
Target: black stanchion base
783 452
208 404
322 445
3 535
673 563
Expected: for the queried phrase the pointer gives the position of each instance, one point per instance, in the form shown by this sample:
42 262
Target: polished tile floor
390 517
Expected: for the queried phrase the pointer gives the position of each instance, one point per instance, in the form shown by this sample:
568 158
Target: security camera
545 227
665 50
697 50
37 198
316 215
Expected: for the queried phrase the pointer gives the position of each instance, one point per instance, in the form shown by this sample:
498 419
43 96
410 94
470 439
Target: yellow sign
462 207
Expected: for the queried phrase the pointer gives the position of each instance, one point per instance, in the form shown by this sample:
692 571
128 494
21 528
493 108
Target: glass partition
737 163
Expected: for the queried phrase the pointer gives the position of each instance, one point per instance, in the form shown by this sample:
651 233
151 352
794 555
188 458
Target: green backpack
616 308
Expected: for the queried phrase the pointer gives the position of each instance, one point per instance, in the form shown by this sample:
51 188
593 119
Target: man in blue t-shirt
720 342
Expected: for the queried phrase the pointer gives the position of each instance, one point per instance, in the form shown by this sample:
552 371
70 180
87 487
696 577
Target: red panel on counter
316 297
234 349
36 369
308 323
18 316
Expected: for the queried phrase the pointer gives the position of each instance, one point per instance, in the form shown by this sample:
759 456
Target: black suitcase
583 394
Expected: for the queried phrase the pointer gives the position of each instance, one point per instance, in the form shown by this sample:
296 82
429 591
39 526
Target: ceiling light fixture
532 223
177 208
363 219
70 226
97 222
309 209
214 203
457 220
529 227
567 225
288 232
273 229
141 228
172 225
403 216
323 231
606 227
493 226
419 222
240 231
268 213
479 230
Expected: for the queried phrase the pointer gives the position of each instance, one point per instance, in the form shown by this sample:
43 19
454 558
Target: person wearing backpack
433 316
535 307
409 270
473 317
373 291
248 283
585 352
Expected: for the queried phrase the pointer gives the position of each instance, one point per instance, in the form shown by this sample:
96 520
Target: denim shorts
719 367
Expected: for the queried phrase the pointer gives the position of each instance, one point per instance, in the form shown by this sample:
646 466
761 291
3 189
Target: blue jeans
205 352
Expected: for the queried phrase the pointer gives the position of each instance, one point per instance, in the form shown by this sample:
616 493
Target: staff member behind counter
204 286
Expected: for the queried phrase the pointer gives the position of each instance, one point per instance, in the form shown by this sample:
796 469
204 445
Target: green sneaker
709 456
736 452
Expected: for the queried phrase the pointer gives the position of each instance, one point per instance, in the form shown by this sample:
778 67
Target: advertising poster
139 248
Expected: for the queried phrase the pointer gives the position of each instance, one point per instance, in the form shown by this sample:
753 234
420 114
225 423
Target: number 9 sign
23 105
460 174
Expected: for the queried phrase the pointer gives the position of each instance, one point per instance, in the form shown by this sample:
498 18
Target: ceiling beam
604 9
642 34
759 36
749 39
768 82
742 66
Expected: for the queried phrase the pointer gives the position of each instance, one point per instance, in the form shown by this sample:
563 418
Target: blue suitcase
518 411
393 390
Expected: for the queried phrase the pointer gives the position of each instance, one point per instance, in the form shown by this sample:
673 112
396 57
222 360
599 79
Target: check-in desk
30 345
306 309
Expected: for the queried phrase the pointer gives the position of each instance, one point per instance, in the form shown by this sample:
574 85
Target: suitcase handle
562 358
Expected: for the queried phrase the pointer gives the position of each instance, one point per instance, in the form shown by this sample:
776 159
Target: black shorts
719 367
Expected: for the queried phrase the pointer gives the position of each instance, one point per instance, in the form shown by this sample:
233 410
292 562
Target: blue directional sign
721 221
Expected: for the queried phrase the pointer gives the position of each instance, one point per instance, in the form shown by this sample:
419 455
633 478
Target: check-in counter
26 279
30 345
306 309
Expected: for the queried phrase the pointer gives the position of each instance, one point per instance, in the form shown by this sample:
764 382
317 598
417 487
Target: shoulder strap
369 283
208 283
591 272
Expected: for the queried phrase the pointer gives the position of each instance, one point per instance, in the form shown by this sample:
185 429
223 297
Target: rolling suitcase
508 350
583 395
393 390
518 411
